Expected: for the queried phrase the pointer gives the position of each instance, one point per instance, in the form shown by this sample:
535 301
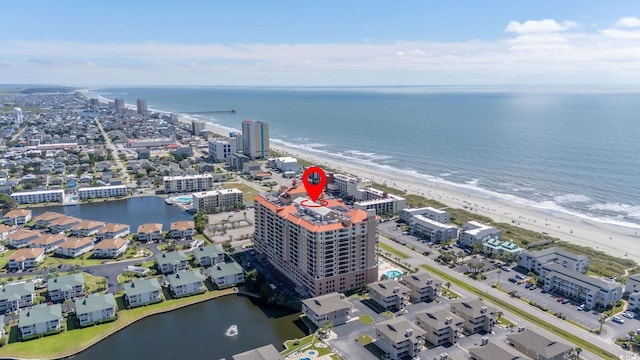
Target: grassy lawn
393 251
4 259
448 293
84 260
247 191
365 339
297 344
91 282
572 338
388 314
366 319
70 342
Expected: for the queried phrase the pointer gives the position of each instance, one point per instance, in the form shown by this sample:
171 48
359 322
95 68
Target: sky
320 43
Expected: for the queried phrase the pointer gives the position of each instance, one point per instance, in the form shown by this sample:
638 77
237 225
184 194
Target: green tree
6 202
578 351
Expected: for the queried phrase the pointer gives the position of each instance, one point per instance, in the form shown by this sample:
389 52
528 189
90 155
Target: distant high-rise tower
197 126
94 104
255 138
17 112
141 104
119 106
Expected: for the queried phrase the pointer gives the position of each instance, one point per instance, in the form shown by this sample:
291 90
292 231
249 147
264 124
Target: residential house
538 347
41 319
66 287
226 274
5 230
495 351
63 223
172 262
142 292
95 308
267 352
17 296
182 230
333 308
48 242
399 338
186 282
110 248
17 217
22 237
149 232
389 294
44 220
26 258
87 228
112 231
422 286
495 246
209 255
74 247
476 314
440 326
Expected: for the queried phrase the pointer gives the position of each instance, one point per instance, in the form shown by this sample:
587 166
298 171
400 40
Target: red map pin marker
314 180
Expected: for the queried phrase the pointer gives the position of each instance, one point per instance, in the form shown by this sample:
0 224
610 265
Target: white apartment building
534 260
188 183
634 301
431 230
287 164
633 284
102 192
217 200
221 149
430 213
34 197
474 232
344 185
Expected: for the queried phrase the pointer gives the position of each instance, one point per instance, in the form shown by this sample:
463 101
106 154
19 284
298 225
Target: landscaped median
572 338
71 342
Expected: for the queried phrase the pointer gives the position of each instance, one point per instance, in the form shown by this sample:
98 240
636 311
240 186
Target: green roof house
40 319
226 274
17 296
66 287
142 292
172 262
95 308
186 282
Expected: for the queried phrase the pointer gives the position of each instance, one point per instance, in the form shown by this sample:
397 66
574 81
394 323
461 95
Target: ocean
574 151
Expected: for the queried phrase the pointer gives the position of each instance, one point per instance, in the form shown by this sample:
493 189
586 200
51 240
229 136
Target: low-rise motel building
35 197
142 292
183 230
95 309
17 217
40 319
188 183
150 232
333 308
102 192
217 200
66 287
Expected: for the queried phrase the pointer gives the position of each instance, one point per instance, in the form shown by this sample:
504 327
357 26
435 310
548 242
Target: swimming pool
183 199
311 352
393 274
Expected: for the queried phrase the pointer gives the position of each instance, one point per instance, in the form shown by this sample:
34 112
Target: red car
559 299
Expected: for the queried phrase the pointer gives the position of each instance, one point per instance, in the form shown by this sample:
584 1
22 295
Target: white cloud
537 52
629 21
539 26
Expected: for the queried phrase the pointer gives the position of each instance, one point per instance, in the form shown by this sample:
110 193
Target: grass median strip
574 339
393 251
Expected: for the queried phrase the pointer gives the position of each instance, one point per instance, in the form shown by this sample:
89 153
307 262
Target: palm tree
498 272
448 285
578 351
602 319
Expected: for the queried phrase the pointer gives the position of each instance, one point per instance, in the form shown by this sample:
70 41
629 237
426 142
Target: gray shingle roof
141 286
538 344
209 250
396 329
420 279
185 277
497 351
225 269
473 308
437 318
66 282
386 287
173 258
13 292
95 302
267 352
39 314
325 304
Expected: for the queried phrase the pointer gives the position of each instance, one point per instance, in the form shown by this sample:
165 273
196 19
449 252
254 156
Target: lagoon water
574 150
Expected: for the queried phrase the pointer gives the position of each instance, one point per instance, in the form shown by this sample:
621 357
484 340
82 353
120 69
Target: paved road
114 150
418 259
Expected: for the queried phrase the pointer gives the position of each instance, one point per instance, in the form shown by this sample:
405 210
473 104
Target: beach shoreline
616 240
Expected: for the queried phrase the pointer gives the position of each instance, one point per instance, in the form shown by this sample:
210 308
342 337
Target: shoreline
616 240
195 300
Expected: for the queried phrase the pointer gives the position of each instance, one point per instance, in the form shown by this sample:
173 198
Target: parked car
518 276
560 299
513 280
628 314
566 301
528 285
618 320
505 268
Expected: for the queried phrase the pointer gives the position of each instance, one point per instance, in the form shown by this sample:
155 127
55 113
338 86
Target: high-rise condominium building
119 105
321 249
255 138
141 105
17 113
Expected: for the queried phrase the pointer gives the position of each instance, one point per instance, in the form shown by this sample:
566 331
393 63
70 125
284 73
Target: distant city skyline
290 43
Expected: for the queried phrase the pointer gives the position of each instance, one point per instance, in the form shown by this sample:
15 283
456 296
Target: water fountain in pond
232 330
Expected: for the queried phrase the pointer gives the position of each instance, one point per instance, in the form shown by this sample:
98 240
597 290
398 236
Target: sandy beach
613 239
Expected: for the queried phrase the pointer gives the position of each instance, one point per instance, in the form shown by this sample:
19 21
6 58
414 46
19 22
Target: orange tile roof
48 239
113 227
48 216
24 234
25 254
182 225
108 244
64 220
15 213
149 228
74 243
5 228
88 225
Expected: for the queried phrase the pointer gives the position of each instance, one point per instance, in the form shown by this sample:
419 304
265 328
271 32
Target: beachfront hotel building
430 213
102 192
534 260
188 183
221 149
570 283
255 138
141 106
474 232
35 197
321 249
431 230
365 196
217 200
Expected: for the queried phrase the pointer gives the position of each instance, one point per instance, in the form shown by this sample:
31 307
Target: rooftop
439 318
539 344
388 288
173 257
225 269
65 282
148 228
185 277
39 314
399 330
95 302
26 254
497 351
13 292
328 303
141 286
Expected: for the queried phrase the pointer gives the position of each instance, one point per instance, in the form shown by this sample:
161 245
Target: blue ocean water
573 151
